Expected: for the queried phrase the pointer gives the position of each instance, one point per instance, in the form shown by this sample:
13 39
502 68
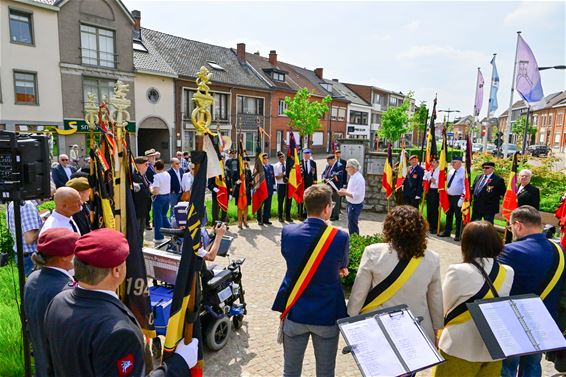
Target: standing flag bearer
510 198
402 169
467 200
260 192
387 177
295 186
443 166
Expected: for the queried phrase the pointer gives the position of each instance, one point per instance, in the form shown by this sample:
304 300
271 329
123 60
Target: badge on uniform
415 175
125 365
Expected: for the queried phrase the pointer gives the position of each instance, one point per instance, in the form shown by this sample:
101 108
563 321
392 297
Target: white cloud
381 37
413 25
528 13
442 52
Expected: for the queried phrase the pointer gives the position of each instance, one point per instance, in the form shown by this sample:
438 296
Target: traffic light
498 139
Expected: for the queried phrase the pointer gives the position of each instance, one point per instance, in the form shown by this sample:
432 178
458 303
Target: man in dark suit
62 172
338 154
321 304
89 332
413 183
141 194
264 211
217 212
82 218
488 189
151 155
56 248
308 169
231 170
176 174
527 194
333 172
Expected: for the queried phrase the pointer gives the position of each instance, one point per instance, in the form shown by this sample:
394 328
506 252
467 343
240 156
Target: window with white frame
557 138
101 88
21 30
358 117
543 120
376 98
249 105
25 88
535 120
550 119
559 119
282 107
341 114
219 109
277 76
97 47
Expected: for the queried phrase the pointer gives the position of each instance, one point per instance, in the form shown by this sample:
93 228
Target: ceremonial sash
391 284
460 313
313 257
554 273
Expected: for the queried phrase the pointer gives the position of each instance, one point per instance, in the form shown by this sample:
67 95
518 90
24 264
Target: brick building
549 122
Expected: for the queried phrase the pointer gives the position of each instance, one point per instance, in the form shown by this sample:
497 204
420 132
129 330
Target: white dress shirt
457 186
163 182
68 171
356 187
56 220
434 174
187 181
70 273
111 293
278 169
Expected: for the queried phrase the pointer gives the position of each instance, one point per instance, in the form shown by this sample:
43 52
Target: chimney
241 51
136 15
273 57
335 80
318 72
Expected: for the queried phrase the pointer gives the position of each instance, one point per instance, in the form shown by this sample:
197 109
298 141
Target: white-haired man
62 172
527 194
354 193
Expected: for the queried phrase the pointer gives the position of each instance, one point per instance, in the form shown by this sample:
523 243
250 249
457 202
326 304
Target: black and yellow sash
554 274
313 257
391 284
460 313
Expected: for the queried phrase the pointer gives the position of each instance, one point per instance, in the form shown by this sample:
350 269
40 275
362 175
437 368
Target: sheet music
329 181
373 352
411 343
539 321
506 328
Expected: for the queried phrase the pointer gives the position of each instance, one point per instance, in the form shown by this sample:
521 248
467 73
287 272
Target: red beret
57 242
103 248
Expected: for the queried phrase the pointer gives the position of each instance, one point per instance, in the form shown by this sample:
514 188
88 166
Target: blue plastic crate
161 298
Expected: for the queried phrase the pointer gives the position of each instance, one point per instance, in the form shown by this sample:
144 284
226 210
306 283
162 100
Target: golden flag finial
201 117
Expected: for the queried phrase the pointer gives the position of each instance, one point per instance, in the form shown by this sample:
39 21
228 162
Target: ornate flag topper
120 103
201 117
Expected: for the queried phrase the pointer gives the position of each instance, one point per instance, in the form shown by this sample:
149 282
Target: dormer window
327 86
215 65
277 76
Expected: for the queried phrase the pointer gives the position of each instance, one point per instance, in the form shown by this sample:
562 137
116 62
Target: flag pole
526 133
484 141
438 223
510 110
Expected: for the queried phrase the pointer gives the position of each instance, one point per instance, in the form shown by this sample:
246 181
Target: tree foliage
395 121
305 114
518 128
419 118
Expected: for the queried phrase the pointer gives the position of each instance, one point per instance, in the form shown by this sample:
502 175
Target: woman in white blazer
412 271
460 342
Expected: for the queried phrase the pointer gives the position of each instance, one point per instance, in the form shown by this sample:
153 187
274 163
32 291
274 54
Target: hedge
357 246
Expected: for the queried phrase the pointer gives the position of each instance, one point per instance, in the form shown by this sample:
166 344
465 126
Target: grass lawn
11 357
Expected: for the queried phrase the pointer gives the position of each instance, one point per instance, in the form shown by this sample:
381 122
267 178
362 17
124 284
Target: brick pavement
253 350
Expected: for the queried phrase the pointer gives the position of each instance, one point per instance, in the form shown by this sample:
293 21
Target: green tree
305 114
518 128
418 121
395 121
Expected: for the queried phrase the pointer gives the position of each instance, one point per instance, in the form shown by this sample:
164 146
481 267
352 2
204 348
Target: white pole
488 108
510 111
475 118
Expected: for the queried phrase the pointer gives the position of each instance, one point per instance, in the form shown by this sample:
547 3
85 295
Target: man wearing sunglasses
487 191
62 172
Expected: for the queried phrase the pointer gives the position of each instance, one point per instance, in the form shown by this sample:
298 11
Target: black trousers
432 208
478 215
283 203
456 212
264 212
217 213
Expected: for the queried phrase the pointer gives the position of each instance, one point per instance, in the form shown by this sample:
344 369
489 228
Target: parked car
538 150
507 150
477 147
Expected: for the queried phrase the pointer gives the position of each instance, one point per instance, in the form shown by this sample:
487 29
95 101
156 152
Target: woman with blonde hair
477 277
400 271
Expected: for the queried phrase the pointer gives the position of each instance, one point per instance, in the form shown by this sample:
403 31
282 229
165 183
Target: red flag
242 193
510 198
561 216
295 186
260 187
387 177
442 176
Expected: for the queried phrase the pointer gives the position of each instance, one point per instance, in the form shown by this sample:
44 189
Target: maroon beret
103 248
57 242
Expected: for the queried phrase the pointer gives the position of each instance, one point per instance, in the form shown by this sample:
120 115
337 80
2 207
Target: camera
218 222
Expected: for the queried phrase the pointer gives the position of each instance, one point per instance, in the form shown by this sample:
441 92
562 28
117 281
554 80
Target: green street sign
82 127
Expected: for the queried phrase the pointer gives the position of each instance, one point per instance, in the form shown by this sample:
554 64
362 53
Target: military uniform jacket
309 179
41 287
92 334
142 198
413 183
529 195
487 200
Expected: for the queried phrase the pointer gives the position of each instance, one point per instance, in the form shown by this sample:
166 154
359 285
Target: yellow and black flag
184 320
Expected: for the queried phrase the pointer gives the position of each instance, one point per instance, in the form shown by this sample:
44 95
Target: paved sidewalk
253 350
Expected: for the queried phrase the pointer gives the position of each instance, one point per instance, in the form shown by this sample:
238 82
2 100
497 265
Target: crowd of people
68 253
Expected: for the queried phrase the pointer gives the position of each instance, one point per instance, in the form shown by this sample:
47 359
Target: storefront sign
69 125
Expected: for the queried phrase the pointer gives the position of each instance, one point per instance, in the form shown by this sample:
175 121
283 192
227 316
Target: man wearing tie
488 190
432 196
456 192
67 203
413 184
176 174
333 173
281 181
308 167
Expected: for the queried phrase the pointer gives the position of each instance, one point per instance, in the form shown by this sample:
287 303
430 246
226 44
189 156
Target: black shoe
267 222
289 220
432 231
444 234
148 227
259 223
456 238
281 220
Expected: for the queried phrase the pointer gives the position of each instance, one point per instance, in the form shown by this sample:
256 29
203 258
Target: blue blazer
413 184
59 176
40 288
175 183
322 303
531 258
335 172
269 178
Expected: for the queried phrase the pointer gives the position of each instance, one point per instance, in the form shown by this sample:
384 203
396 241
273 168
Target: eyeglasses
64 159
487 167
510 226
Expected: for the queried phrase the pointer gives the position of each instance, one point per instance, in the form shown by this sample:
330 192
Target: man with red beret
55 250
89 332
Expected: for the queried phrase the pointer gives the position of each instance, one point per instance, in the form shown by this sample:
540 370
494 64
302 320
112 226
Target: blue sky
427 47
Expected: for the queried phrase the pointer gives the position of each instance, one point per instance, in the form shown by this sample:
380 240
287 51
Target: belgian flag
402 169
186 294
466 205
510 198
242 192
443 174
387 177
296 185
